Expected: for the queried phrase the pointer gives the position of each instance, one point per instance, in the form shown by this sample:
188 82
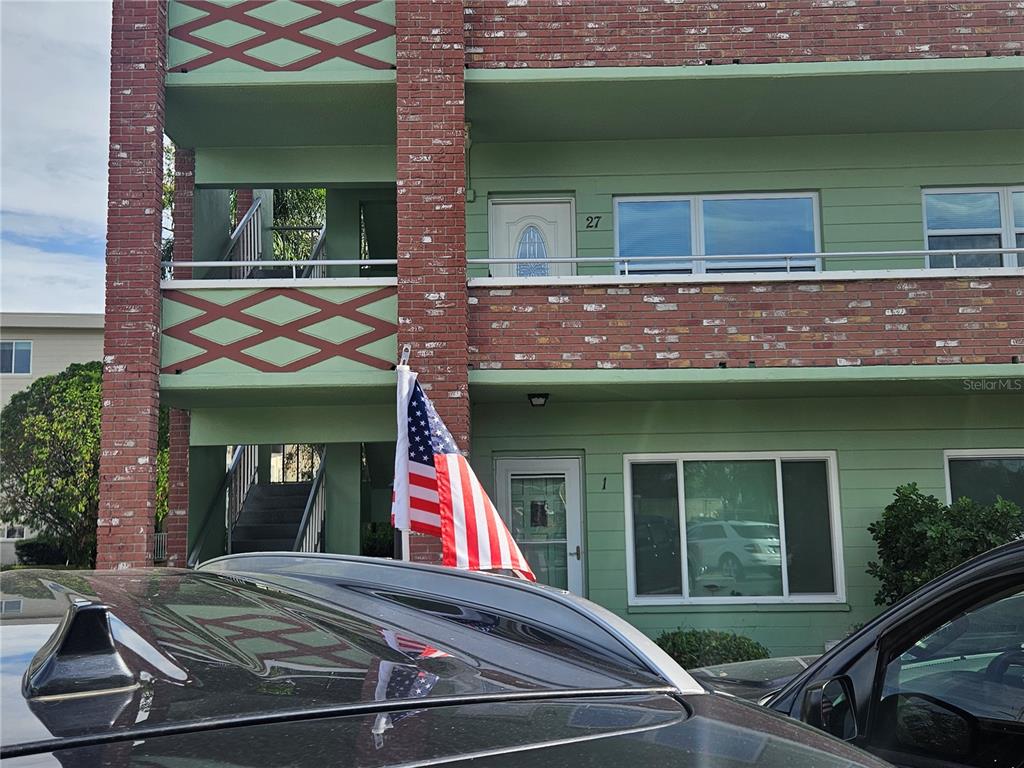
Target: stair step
270 517
262 545
280 490
251 530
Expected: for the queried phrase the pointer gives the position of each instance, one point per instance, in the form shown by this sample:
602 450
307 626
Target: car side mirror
829 706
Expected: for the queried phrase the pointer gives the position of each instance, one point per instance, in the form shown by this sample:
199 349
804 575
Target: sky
54 100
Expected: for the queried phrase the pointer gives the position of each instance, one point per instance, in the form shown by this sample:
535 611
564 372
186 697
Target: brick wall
431 211
131 337
176 524
184 206
867 322
572 33
243 202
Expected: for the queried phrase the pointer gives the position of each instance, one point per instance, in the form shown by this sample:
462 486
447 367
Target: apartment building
696 285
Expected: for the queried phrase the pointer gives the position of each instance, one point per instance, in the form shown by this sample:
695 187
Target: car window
757 531
958 692
703 532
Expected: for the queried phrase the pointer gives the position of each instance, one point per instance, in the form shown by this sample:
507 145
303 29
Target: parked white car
735 547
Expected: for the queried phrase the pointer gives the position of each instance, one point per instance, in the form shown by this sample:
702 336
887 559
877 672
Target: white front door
530 232
539 500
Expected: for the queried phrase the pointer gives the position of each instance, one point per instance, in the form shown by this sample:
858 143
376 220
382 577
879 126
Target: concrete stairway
270 517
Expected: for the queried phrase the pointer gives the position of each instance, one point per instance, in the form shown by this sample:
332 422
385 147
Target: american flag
437 493
410 646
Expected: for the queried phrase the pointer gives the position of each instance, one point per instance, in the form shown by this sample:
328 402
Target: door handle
578 552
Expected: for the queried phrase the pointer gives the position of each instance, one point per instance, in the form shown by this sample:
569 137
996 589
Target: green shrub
39 551
702 647
378 540
920 538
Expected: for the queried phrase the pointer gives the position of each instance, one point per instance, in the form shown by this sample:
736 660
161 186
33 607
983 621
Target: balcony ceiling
625 385
745 100
323 114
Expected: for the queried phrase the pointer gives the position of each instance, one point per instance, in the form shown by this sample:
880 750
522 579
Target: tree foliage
920 538
298 208
167 200
50 450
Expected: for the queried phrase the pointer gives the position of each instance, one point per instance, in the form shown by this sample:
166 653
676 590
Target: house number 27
593 222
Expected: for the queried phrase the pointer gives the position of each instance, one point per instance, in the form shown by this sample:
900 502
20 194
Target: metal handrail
287 263
788 258
624 261
160 546
310 534
247 240
317 270
239 230
243 472
193 554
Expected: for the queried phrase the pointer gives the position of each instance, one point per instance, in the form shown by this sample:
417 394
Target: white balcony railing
677 266
299 269
772 262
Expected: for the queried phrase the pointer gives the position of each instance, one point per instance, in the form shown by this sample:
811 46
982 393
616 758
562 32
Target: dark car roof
208 645
308 660
638 730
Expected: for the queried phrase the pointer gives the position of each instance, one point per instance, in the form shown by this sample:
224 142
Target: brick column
243 202
184 202
432 309
176 523
124 531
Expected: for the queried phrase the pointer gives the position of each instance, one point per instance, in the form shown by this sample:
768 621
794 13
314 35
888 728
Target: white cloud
55 59
32 280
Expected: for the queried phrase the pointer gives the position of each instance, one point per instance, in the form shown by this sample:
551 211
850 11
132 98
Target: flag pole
401 535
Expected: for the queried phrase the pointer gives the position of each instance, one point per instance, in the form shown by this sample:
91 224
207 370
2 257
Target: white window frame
11 605
14 348
699 263
1007 230
835 521
1016 227
5 537
975 453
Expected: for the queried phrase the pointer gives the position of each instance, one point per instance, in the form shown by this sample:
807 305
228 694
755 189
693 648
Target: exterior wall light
538 399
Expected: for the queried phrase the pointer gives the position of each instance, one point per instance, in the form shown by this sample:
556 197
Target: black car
937 680
753 680
269 660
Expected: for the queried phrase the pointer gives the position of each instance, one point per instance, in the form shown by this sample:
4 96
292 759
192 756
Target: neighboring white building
33 345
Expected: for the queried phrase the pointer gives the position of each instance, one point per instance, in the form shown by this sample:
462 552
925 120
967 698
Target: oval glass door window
531 248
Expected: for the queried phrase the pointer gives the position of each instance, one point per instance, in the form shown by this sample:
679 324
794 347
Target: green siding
869 185
880 442
343 489
206 466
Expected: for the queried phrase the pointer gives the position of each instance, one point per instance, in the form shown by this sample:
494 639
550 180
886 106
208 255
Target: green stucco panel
309 332
880 442
356 40
343 487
